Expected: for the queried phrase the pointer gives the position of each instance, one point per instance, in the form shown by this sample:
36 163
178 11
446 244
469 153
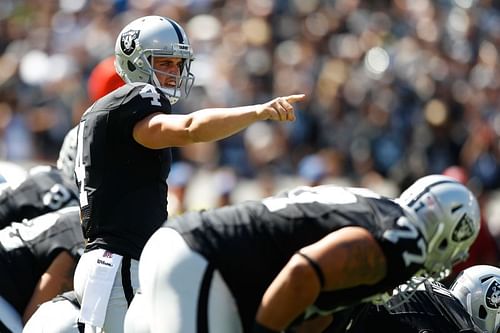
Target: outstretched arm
57 279
346 258
166 130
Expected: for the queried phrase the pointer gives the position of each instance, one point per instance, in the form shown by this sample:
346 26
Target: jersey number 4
150 92
80 166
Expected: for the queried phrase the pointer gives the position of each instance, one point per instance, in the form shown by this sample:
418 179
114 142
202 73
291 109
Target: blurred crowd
396 89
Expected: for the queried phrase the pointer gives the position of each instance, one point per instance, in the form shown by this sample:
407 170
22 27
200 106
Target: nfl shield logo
492 296
127 42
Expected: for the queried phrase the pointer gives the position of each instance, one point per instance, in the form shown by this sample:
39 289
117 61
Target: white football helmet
11 175
67 154
447 214
478 289
148 37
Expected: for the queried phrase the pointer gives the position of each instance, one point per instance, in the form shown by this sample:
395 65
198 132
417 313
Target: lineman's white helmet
478 289
11 175
448 215
67 154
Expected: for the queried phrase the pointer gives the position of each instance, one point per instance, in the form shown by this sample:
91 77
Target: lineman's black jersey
251 242
28 248
123 190
432 309
43 191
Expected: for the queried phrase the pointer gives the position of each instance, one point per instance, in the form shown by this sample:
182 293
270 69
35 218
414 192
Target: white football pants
89 278
9 317
180 291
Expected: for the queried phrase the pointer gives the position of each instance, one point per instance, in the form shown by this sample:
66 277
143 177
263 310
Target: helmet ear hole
443 245
482 312
131 66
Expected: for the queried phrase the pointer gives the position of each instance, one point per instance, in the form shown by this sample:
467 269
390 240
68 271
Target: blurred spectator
225 182
180 176
398 89
312 169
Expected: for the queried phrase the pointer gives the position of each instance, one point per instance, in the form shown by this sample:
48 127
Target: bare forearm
57 279
292 291
342 259
215 124
159 131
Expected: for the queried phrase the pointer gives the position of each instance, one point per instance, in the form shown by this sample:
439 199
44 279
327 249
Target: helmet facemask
404 292
183 81
449 237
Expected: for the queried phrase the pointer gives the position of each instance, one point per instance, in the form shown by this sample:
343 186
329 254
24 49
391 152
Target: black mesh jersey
123 190
432 309
249 243
44 191
28 248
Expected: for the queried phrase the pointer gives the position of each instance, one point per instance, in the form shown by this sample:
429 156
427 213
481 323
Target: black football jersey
43 191
28 248
123 190
249 243
432 309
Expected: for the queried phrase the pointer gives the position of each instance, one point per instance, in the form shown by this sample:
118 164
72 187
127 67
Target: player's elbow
302 279
198 131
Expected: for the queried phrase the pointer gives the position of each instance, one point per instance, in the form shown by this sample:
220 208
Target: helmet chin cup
173 94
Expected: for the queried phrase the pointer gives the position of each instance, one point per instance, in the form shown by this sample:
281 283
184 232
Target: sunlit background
396 89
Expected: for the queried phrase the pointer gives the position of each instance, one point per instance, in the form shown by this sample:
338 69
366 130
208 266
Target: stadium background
396 89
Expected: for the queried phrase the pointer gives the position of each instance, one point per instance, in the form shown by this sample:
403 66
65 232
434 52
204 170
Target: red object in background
484 250
103 79
458 173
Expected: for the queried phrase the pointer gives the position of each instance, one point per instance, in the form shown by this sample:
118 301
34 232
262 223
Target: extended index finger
295 98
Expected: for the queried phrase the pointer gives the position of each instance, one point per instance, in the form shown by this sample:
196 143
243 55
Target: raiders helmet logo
492 296
127 41
464 229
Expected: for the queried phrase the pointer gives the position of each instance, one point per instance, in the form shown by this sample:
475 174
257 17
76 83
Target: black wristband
259 328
